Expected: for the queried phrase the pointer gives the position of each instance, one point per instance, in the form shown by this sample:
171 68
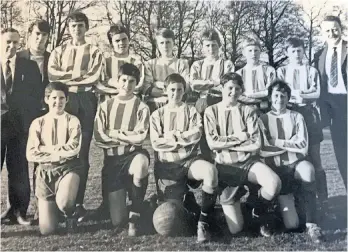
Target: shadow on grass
19 234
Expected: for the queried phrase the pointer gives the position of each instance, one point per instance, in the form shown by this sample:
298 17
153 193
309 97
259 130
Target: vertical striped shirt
127 117
77 66
232 133
301 78
204 70
186 121
54 138
157 70
109 74
290 137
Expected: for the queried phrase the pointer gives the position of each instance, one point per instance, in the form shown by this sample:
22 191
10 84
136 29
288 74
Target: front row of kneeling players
234 133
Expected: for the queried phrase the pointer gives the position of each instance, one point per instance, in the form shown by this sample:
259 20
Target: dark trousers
13 149
83 105
334 114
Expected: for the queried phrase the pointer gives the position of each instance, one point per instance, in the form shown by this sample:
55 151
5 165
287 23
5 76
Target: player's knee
305 172
210 179
274 185
66 205
140 166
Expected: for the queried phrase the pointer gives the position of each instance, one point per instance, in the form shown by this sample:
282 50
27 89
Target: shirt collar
12 60
338 46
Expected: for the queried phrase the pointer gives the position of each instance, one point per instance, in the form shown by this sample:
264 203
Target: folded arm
159 141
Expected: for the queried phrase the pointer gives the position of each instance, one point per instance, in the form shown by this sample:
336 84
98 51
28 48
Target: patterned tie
8 77
333 69
296 81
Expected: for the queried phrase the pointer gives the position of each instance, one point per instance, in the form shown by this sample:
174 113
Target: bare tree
10 14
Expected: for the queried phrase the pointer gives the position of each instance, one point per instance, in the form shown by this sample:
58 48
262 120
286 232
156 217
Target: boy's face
210 48
295 54
38 39
126 84
56 101
165 45
231 92
252 53
77 29
175 91
332 31
120 43
279 99
10 44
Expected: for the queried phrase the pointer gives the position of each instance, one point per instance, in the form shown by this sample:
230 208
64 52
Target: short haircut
58 86
165 33
130 70
8 30
77 17
116 29
281 86
211 34
174 78
331 18
294 42
41 24
251 42
234 77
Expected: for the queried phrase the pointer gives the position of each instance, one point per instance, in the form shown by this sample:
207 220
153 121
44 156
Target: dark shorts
116 170
313 123
172 178
49 175
232 179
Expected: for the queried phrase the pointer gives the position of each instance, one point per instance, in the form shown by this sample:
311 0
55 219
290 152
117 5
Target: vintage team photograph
211 125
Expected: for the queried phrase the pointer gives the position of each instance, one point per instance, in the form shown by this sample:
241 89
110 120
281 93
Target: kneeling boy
175 131
54 143
121 126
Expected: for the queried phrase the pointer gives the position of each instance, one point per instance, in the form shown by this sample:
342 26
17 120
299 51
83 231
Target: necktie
333 69
8 77
296 81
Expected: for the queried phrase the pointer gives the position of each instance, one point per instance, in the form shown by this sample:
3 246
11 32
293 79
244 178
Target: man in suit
21 95
331 62
38 32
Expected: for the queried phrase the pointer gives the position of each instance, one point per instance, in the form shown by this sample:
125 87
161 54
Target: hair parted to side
234 77
78 16
251 41
130 70
58 86
281 86
41 24
331 18
116 29
165 33
5 30
174 78
211 34
294 42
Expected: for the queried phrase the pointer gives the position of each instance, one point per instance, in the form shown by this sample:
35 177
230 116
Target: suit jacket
24 101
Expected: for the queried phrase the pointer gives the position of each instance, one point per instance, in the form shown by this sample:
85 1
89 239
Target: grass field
94 235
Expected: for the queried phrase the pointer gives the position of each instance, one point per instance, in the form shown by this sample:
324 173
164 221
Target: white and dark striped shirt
127 117
47 132
77 66
224 127
290 137
187 121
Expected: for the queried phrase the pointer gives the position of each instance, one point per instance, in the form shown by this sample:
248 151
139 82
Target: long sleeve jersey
157 70
79 67
289 132
127 117
186 121
213 71
232 133
54 138
109 73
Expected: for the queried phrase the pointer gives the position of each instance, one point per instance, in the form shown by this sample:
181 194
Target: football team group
255 131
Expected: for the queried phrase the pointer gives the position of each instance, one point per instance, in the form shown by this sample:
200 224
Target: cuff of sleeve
279 143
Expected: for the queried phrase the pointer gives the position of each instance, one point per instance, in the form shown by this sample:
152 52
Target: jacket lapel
322 60
344 51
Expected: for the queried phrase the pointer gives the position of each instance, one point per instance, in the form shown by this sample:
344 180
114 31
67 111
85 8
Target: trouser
13 149
84 106
334 114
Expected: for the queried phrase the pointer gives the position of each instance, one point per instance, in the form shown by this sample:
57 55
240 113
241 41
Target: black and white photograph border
269 22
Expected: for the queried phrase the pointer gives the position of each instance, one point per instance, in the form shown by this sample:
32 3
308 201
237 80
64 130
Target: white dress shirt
340 88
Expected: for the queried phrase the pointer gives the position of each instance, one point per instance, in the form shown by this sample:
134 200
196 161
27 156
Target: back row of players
240 127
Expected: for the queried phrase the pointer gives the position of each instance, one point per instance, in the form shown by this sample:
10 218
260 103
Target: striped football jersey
46 133
232 133
290 136
127 117
77 66
186 121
